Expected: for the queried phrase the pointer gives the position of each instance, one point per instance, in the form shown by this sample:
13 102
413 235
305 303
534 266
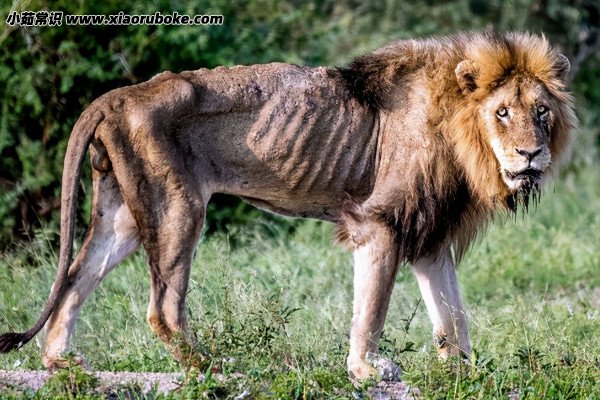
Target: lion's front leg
375 267
441 294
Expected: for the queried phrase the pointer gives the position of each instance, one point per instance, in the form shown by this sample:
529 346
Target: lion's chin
524 181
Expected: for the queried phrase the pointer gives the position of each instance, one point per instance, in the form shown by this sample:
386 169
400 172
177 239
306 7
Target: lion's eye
502 112
541 110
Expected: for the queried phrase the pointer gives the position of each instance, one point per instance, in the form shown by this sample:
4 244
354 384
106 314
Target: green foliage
198 386
532 376
70 383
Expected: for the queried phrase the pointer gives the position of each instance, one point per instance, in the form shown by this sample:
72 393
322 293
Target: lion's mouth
526 174
523 181
523 184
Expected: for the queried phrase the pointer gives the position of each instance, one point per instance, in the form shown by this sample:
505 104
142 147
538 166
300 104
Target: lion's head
513 124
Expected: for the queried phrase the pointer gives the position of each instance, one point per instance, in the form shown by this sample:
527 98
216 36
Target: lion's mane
457 189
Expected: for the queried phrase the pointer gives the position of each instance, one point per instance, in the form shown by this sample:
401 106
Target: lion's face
518 116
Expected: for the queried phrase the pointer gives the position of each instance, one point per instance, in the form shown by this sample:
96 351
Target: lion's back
245 88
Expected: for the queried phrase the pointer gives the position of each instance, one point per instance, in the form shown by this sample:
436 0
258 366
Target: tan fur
404 150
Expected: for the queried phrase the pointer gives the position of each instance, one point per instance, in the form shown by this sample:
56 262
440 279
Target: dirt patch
146 381
167 382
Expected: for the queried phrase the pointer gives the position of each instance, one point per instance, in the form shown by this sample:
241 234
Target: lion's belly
327 211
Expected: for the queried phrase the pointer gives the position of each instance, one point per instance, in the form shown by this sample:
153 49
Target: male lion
409 151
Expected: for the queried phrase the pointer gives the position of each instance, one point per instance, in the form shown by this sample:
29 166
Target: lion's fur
393 149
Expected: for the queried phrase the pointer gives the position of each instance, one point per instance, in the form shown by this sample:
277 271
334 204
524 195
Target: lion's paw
360 371
53 362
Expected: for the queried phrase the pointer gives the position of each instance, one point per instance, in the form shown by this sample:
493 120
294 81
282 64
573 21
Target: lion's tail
81 137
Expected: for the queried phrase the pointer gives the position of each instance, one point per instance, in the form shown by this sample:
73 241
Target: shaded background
48 75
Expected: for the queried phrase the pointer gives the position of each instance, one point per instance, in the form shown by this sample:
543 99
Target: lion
410 150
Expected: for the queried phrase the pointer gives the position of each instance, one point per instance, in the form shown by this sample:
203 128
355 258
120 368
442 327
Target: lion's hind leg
167 194
170 258
111 237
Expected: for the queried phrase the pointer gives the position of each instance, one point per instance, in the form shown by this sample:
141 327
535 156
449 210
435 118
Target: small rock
387 369
390 391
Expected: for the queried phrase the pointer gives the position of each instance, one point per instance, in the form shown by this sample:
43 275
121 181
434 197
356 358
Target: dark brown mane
372 78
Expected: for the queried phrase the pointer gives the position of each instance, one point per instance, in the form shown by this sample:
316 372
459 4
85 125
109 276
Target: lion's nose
530 154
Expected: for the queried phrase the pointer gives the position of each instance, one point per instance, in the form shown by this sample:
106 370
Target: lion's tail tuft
12 340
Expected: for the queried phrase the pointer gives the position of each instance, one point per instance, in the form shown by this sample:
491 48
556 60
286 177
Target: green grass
277 307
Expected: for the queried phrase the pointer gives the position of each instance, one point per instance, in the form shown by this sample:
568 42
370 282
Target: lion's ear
466 74
561 67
